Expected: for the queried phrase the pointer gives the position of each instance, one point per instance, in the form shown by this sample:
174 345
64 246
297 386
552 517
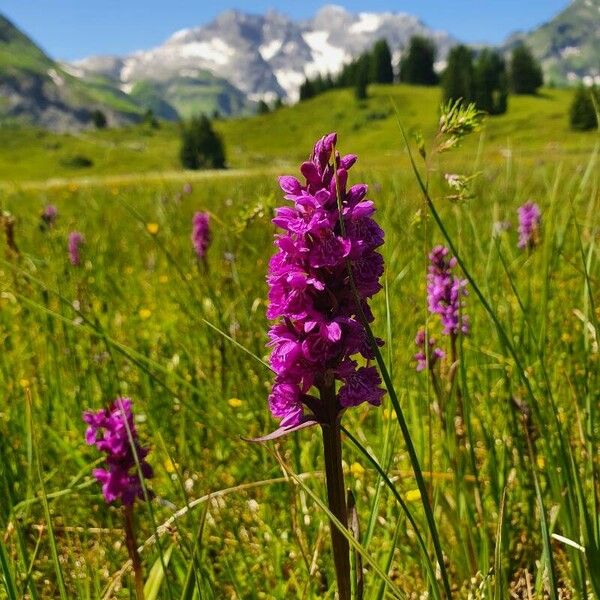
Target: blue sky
71 29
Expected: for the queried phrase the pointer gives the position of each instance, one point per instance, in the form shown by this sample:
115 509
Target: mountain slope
36 89
568 46
265 56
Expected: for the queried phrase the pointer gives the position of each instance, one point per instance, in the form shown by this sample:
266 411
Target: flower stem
131 543
336 492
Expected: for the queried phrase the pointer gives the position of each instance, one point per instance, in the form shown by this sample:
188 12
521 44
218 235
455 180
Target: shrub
76 161
98 119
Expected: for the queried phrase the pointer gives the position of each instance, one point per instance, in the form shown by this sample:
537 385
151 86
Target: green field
534 127
515 488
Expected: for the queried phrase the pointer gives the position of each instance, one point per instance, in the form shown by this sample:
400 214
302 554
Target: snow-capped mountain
264 56
568 46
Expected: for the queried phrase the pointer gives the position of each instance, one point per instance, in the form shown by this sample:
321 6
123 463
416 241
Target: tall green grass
514 501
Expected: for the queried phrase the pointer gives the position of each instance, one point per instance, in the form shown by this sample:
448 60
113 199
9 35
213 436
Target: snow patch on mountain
269 50
269 55
327 58
367 23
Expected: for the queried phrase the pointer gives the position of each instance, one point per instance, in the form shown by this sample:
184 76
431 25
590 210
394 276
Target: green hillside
569 44
18 52
534 127
188 96
36 89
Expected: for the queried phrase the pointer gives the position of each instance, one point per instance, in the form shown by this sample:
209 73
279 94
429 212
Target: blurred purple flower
318 328
426 359
201 234
76 239
108 431
445 292
49 215
529 225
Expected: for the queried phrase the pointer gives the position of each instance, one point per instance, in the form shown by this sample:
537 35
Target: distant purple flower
76 239
318 329
426 359
187 188
529 225
49 215
445 292
107 430
201 234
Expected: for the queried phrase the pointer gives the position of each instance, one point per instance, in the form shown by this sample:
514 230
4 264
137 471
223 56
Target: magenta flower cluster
426 358
108 431
201 234
49 215
445 292
76 239
529 224
318 332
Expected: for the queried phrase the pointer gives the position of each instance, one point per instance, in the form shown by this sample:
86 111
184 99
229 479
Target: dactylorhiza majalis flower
49 215
201 237
325 270
530 217
445 292
427 353
112 430
75 241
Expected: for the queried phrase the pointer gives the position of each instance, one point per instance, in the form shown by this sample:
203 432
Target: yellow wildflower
357 469
412 495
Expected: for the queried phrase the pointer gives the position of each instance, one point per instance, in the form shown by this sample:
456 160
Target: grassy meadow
514 485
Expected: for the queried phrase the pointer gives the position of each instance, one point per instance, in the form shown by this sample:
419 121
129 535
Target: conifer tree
381 63
416 65
490 83
458 78
582 113
307 90
362 80
525 73
201 146
262 108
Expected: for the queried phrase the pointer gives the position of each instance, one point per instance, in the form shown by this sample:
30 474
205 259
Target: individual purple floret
318 328
426 359
76 239
445 292
529 225
49 215
201 234
107 430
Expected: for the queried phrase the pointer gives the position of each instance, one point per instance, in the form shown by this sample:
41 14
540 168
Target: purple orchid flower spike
201 237
112 430
530 217
321 278
109 430
445 292
75 242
